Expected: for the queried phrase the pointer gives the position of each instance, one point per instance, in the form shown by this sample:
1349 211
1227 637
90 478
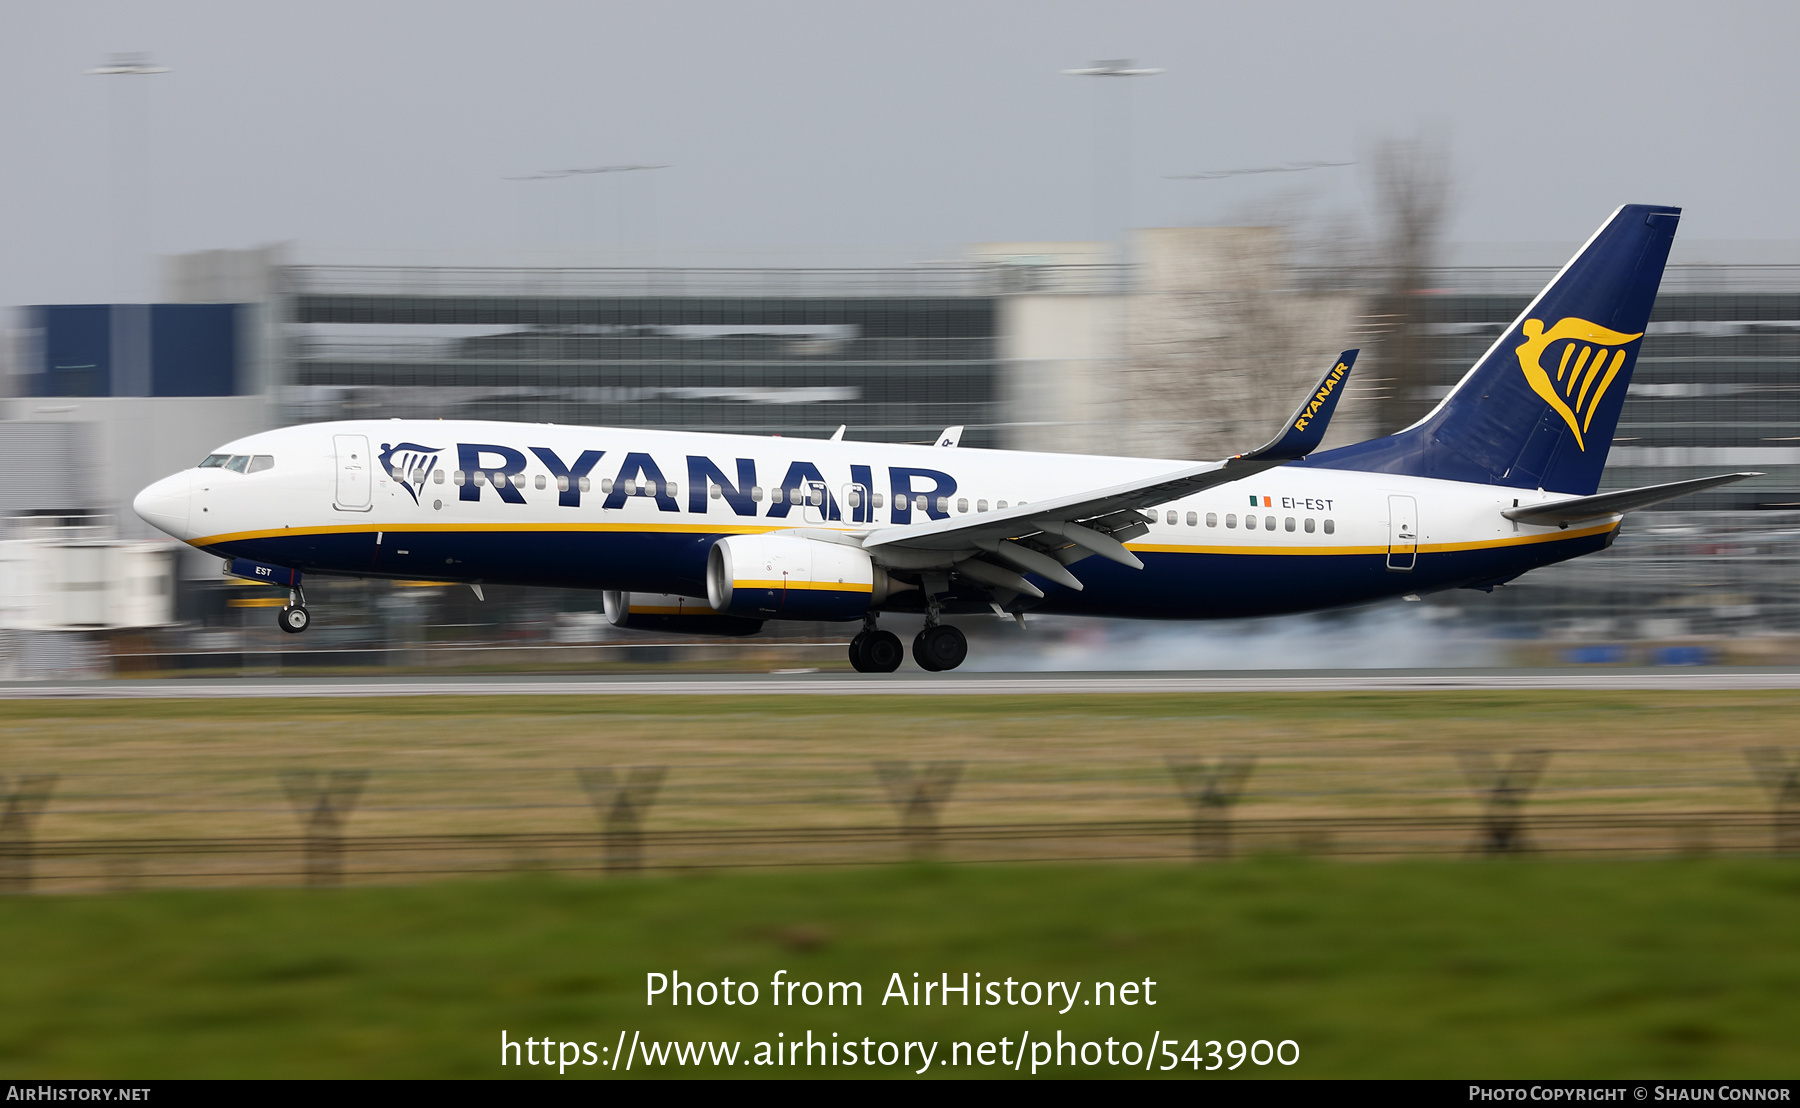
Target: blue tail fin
1539 409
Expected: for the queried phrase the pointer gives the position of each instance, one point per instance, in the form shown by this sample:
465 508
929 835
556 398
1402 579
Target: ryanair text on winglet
1325 390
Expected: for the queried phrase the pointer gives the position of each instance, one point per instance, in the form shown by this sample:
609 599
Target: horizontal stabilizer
1565 512
1305 429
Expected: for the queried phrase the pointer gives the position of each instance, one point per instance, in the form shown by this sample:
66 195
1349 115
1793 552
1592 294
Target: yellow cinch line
748 529
1423 548
815 586
471 528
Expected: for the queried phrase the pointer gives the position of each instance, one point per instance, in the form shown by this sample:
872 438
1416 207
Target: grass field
1528 967
1677 969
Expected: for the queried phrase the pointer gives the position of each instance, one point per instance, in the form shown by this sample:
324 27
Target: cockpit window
238 462
214 461
260 462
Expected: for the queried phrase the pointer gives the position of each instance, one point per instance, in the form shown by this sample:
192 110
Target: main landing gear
874 650
294 618
940 648
936 648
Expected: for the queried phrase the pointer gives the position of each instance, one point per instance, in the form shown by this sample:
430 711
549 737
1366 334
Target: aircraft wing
1045 536
1565 512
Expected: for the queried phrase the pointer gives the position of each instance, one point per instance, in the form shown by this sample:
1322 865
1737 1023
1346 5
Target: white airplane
716 534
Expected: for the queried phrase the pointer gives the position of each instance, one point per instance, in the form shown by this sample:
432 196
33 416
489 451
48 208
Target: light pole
130 172
597 170
1118 67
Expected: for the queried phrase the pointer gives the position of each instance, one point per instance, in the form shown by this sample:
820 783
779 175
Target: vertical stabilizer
1538 410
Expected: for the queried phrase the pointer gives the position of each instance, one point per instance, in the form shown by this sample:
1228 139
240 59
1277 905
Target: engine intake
791 577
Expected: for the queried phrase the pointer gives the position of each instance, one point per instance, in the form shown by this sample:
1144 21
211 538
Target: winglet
1305 429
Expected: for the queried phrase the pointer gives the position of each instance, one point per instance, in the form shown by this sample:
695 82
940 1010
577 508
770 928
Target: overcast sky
911 124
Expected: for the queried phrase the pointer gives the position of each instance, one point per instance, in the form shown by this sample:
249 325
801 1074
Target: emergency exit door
354 473
1403 533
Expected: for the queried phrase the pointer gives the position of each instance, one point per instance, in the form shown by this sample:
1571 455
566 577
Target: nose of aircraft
164 505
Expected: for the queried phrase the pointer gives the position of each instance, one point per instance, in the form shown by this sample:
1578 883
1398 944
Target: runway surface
919 684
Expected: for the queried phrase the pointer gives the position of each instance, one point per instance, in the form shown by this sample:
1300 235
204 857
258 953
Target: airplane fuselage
635 510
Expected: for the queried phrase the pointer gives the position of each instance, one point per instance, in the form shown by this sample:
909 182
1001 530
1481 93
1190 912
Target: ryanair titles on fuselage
482 468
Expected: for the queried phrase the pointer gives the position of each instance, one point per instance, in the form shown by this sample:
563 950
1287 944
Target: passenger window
1193 520
1330 527
585 484
1231 519
606 485
437 477
673 488
817 498
877 498
214 461
260 462
1309 525
775 495
1212 519
562 483
539 481
238 462
944 504
649 487
1269 523
962 503
481 478
1288 523
1249 523
981 505
1000 505
756 494
1170 519
459 478
714 492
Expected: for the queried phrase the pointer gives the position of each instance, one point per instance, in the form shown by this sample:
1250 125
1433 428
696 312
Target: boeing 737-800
717 534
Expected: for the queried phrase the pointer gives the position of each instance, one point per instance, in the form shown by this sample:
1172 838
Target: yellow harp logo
1591 358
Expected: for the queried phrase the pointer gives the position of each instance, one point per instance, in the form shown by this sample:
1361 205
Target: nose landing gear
294 618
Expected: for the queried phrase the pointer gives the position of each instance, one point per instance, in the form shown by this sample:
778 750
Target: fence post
25 800
918 795
621 806
1779 772
324 801
1506 788
1211 791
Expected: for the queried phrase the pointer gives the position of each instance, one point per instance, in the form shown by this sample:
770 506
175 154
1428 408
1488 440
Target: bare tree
1412 189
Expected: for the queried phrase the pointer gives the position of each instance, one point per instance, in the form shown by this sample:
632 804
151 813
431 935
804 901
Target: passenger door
354 473
1403 534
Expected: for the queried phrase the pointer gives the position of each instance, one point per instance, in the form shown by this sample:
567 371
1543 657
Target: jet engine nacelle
648 611
791 577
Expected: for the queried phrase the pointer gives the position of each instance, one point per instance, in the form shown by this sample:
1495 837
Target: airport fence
628 819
